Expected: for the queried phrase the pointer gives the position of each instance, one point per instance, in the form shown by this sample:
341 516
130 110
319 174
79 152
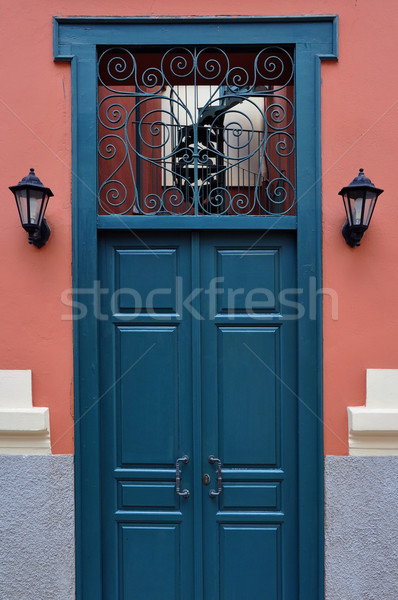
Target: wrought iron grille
192 131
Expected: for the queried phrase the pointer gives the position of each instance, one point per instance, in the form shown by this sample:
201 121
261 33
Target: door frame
315 39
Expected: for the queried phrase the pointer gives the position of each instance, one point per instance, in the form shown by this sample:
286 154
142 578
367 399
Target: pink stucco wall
359 129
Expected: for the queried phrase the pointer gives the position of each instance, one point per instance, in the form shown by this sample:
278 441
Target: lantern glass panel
354 202
356 205
370 201
22 203
346 207
44 207
36 199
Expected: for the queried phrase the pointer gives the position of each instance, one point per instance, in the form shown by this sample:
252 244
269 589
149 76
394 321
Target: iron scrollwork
196 131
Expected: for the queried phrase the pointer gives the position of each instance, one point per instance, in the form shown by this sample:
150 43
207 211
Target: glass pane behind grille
196 132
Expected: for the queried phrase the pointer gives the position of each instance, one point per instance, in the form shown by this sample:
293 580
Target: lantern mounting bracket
353 234
40 237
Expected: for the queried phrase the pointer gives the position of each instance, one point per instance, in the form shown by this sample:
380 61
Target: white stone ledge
24 429
373 445
372 420
26 444
29 420
373 429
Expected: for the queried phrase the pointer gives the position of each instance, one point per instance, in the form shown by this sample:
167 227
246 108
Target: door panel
245 414
250 279
250 412
251 496
246 338
146 420
156 289
150 561
249 562
147 403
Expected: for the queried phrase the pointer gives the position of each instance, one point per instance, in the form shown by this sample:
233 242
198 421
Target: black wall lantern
32 199
359 202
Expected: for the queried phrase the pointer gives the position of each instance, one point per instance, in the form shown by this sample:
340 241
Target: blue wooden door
249 418
146 418
198 360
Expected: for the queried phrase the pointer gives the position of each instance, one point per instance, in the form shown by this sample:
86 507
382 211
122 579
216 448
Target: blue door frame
76 40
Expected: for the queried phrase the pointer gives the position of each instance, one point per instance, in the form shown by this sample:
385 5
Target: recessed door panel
249 562
249 279
145 495
248 395
146 279
148 405
150 563
258 496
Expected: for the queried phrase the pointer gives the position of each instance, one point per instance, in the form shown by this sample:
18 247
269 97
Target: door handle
213 460
185 460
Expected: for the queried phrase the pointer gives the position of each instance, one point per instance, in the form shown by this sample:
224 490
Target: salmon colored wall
359 129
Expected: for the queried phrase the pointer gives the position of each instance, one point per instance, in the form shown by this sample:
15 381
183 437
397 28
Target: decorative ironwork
196 131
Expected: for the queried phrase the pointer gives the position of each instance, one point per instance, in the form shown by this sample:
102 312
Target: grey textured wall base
361 536
37 549
37 528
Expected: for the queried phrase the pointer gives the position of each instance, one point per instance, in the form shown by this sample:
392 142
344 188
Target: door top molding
320 32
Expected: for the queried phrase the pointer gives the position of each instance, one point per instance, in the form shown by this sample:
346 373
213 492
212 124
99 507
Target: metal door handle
212 460
185 460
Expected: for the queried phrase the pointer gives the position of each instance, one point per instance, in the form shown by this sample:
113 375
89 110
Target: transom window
196 131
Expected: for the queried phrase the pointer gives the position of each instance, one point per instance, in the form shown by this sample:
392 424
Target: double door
198 418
